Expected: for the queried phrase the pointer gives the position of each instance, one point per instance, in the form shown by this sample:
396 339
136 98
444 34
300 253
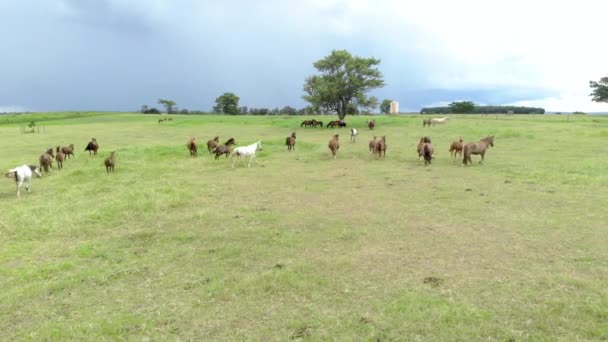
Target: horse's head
259 145
336 136
384 138
216 139
35 170
293 135
426 140
491 141
230 142
58 148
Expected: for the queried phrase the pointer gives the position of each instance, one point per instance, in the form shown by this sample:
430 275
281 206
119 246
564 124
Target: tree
227 103
385 107
462 107
168 105
344 81
144 108
288 110
600 90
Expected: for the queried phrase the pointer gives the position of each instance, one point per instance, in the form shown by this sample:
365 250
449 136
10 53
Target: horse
224 149
439 121
46 160
479 147
67 151
371 124
456 148
353 134
211 144
334 145
291 142
317 123
23 174
426 122
380 147
60 157
92 146
372 144
110 162
422 141
246 151
335 123
161 121
307 123
426 150
191 145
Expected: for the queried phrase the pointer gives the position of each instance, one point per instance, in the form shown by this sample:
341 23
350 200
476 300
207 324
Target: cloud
120 54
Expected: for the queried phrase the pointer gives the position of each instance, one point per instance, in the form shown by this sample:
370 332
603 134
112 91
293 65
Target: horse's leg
482 154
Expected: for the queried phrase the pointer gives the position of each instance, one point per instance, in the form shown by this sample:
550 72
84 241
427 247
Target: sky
117 55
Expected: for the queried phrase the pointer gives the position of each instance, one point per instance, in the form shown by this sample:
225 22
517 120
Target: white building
394 107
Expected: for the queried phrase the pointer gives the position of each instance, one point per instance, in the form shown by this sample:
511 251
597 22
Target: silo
394 107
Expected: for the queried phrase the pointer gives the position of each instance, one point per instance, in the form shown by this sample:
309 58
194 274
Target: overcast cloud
121 54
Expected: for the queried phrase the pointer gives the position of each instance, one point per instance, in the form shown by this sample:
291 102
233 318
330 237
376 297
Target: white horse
23 174
246 151
439 121
353 134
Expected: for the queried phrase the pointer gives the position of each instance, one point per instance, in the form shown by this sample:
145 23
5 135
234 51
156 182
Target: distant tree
243 110
579 113
227 103
143 109
184 111
462 107
344 82
32 124
168 105
600 90
385 107
288 110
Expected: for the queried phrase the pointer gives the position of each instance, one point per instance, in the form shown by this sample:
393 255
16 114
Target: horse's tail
426 153
466 154
287 141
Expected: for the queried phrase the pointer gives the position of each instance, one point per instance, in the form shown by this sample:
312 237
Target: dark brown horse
317 123
60 157
191 145
211 144
92 146
372 144
110 162
291 142
479 147
334 145
371 124
380 147
46 160
224 149
456 148
426 122
422 141
68 151
426 150
307 123
338 123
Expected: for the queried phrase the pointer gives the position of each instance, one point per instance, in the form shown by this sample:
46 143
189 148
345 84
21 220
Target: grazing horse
211 144
92 146
422 141
307 123
456 148
291 142
224 149
23 174
371 124
426 122
439 121
335 123
110 162
380 147
372 144
191 145
60 157
426 150
317 123
479 147
46 160
353 134
246 151
334 146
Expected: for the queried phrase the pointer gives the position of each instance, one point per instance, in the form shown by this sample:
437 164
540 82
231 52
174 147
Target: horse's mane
229 142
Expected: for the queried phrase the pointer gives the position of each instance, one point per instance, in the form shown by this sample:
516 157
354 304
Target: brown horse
46 160
372 144
110 162
371 124
317 123
334 145
426 150
380 147
291 142
191 145
224 149
426 122
479 147
422 141
335 123
456 148
307 123
67 151
211 144
92 146
60 157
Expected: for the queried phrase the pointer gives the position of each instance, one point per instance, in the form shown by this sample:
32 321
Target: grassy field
301 246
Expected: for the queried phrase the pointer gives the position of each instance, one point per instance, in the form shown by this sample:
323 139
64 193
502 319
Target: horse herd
377 146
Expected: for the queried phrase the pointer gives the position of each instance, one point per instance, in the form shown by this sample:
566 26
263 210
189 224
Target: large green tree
600 90
168 105
343 82
462 107
385 107
227 103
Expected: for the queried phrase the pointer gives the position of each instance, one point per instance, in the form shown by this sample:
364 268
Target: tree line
468 107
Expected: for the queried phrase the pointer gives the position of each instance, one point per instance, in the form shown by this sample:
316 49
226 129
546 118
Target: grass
301 246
